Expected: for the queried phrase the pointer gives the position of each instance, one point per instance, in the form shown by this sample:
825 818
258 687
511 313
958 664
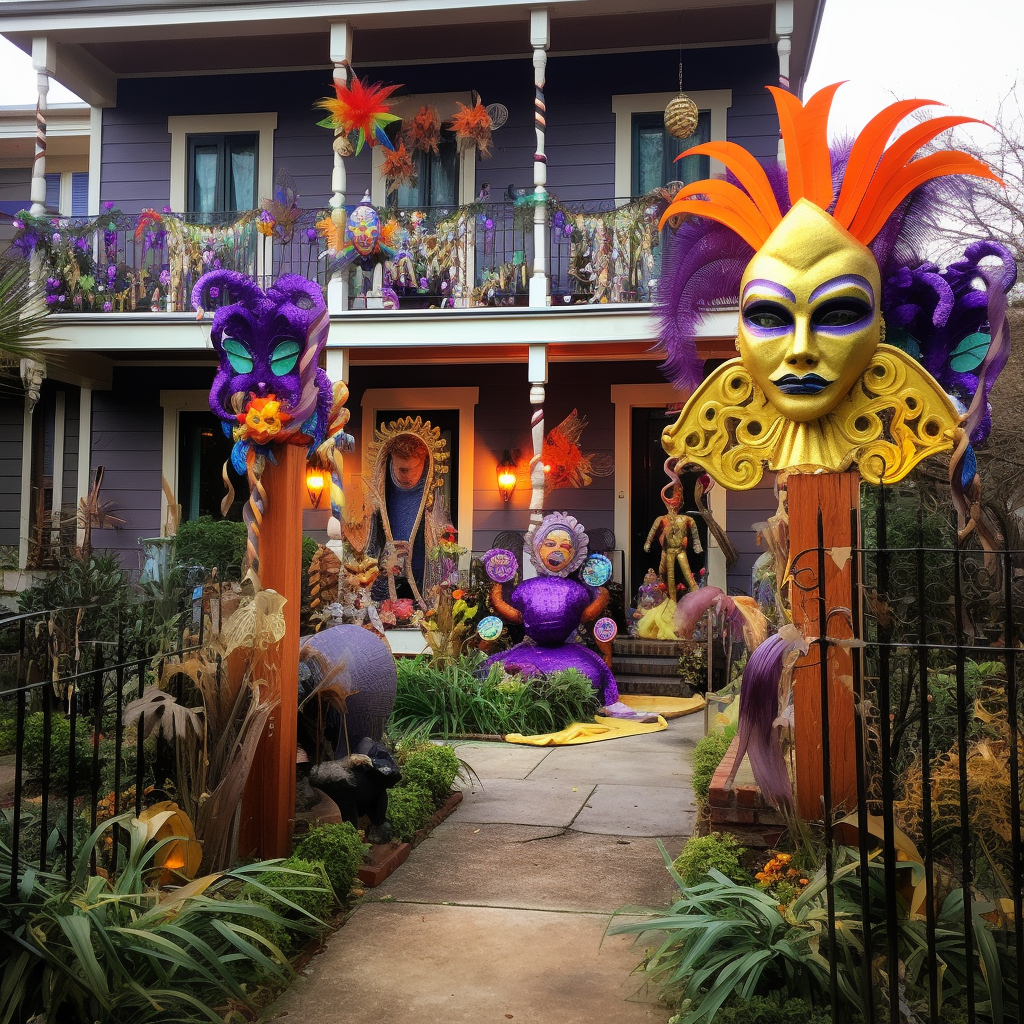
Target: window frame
221 141
655 121
716 101
180 127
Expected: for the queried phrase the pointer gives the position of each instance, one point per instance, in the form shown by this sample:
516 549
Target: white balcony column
44 64
341 54
537 372
540 39
784 30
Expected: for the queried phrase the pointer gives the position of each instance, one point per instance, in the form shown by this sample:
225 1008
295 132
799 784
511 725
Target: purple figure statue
552 605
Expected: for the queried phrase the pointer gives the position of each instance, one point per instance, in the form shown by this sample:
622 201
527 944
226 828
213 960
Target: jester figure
269 389
853 350
552 605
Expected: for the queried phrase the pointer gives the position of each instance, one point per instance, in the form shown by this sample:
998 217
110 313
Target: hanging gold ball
681 117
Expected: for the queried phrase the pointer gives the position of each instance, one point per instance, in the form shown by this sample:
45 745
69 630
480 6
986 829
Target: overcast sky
964 54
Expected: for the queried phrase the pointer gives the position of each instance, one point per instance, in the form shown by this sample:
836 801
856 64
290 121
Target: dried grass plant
215 741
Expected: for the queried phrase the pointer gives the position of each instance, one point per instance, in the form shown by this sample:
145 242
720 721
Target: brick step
645 666
655 686
632 646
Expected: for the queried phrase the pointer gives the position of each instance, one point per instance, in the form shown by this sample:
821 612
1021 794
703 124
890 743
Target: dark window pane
222 172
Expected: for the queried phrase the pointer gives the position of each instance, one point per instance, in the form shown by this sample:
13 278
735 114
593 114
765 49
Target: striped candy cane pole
254 509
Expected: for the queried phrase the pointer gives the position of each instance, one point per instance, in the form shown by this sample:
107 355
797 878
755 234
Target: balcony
479 255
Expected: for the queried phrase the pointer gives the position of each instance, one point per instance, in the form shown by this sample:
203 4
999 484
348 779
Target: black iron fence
67 759
924 866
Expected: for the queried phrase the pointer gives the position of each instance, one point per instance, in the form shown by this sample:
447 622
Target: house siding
69 481
580 139
12 414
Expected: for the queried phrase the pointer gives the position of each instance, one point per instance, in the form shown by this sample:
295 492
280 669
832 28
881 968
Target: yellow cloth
658 623
590 732
667 707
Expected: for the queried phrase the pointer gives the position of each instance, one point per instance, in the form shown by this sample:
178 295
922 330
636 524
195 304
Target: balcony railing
476 255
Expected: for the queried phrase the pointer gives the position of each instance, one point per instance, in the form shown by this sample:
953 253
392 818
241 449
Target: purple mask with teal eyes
269 343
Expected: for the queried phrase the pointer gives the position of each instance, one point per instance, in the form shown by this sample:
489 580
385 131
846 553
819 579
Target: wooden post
835 494
268 807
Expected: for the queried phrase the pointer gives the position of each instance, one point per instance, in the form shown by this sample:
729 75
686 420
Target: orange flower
423 130
262 420
398 168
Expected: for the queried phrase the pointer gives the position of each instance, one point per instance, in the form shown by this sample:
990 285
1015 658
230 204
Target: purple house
530 273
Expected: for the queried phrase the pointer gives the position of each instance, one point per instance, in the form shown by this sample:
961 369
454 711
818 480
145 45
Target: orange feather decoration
472 127
398 168
423 131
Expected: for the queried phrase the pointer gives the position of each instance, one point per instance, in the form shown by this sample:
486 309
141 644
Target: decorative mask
814 387
363 229
558 544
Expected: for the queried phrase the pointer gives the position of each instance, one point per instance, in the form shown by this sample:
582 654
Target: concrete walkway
500 914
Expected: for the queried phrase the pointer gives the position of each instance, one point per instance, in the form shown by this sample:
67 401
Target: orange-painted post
268 808
835 494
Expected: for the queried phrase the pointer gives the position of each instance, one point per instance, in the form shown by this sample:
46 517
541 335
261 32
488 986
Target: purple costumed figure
552 605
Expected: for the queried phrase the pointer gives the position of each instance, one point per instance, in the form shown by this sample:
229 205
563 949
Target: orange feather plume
423 131
876 180
398 168
472 127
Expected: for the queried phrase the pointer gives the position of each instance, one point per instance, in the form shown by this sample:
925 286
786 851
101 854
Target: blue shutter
80 194
53 193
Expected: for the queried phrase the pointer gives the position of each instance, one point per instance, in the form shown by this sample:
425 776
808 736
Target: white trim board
625 105
173 403
181 126
415 400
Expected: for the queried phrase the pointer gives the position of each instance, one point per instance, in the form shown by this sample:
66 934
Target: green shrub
409 809
338 847
60 750
707 756
300 891
765 1010
716 850
212 543
434 769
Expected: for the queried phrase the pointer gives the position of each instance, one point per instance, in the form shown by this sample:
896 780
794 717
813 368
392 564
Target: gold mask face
809 318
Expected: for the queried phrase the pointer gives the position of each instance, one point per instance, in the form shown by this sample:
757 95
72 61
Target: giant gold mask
809 319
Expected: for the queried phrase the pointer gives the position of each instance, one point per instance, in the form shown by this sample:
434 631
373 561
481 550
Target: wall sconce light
507 477
314 485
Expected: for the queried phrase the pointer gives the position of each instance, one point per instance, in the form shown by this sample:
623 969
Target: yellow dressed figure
676 532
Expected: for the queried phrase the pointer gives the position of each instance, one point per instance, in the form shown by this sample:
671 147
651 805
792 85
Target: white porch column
341 54
538 375
540 39
44 63
783 29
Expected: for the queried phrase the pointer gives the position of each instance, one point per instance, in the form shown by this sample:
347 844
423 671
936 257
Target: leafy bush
119 949
765 1010
300 892
212 543
338 847
707 756
716 850
434 769
454 699
60 750
409 809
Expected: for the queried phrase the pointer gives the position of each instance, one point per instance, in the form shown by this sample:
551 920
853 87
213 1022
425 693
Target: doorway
203 449
647 478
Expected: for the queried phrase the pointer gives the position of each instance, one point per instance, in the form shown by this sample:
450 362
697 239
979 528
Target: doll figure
553 604
675 532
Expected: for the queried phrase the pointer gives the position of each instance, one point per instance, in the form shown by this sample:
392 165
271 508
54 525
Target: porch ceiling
125 38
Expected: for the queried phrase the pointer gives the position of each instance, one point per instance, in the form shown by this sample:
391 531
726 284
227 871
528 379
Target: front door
647 478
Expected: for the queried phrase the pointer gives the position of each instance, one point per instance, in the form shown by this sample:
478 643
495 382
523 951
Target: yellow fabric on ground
667 707
658 623
589 732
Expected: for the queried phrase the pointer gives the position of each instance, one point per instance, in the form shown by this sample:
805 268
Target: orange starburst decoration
262 420
360 108
472 127
423 130
398 168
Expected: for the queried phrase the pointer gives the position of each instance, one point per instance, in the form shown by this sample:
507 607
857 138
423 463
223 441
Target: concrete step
632 646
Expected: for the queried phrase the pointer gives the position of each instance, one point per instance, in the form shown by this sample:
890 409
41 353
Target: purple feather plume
759 736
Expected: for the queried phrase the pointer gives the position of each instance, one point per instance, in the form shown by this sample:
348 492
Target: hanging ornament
681 113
